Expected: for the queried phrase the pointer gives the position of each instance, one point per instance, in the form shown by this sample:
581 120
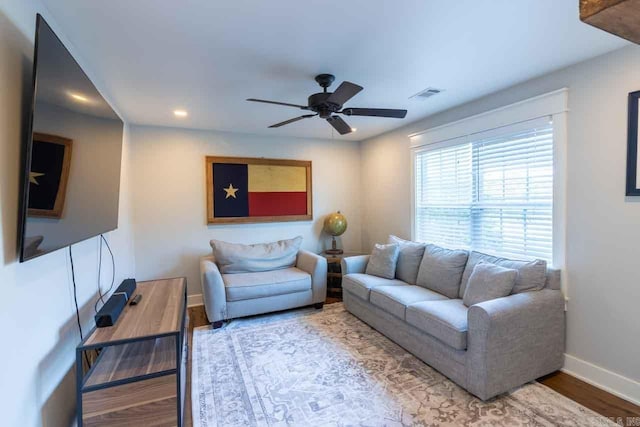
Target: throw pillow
487 282
532 275
239 258
383 260
441 270
408 260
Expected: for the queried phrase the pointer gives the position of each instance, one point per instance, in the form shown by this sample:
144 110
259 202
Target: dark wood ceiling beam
618 17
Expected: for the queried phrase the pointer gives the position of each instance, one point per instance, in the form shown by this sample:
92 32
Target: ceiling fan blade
375 112
286 122
286 104
345 92
340 125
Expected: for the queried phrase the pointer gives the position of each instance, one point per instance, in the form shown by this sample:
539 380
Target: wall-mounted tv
73 153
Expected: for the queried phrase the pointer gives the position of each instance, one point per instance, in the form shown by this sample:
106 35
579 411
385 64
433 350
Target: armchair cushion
244 286
239 258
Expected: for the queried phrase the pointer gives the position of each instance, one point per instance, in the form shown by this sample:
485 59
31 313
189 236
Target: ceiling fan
328 104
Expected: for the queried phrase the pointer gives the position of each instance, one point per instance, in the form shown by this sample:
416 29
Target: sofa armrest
354 264
316 266
514 340
213 291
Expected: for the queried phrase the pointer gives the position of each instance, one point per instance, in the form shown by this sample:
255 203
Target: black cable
101 297
75 300
113 265
75 293
113 273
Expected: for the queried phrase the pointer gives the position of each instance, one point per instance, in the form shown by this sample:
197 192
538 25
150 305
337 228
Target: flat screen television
72 156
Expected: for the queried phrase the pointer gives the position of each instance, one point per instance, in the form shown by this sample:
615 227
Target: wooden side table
139 376
334 274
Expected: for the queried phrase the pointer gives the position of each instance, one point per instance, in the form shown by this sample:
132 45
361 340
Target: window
491 192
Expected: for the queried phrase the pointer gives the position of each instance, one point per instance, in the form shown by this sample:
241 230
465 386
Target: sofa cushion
360 284
441 270
395 299
532 275
409 259
244 286
445 320
239 258
383 260
487 282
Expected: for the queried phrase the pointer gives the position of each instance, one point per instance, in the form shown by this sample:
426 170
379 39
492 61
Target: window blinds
491 192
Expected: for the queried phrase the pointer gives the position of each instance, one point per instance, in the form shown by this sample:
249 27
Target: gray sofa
487 348
228 296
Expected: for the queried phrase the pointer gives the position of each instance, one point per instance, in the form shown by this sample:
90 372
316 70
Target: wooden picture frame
212 187
633 160
61 192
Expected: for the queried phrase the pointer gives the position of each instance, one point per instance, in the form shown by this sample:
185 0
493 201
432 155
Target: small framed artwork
246 190
633 160
49 174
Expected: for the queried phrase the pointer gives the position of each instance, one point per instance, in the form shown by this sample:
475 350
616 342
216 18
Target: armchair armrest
354 264
514 340
213 291
316 266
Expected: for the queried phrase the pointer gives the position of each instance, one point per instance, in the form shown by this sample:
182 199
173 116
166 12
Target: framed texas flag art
245 189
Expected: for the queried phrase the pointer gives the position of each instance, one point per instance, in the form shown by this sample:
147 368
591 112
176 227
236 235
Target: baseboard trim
616 384
195 299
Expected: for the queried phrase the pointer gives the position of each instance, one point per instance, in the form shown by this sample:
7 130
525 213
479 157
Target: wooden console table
139 375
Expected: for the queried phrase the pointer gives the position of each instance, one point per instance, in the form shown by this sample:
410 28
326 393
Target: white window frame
553 104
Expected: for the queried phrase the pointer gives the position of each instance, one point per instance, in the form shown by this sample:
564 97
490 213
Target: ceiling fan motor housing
318 103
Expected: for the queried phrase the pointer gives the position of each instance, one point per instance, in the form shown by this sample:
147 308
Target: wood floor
593 398
197 317
585 394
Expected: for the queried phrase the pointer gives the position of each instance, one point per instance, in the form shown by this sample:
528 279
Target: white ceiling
59 79
208 56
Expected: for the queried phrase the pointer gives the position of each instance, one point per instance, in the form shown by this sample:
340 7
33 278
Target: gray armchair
229 296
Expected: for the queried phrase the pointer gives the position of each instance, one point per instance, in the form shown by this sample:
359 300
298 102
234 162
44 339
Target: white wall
37 315
603 228
168 181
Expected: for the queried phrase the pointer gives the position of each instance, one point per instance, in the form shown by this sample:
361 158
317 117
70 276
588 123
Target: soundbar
110 311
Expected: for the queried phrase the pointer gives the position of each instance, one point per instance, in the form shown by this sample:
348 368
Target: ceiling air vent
427 93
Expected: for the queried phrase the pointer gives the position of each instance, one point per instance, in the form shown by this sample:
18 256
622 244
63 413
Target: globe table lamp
335 224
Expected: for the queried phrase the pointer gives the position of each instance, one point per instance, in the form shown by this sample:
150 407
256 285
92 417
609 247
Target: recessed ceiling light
354 129
78 97
180 113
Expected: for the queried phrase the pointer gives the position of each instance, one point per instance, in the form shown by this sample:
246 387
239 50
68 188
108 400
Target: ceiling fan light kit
327 104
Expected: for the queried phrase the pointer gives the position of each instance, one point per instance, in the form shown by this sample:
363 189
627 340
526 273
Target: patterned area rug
327 368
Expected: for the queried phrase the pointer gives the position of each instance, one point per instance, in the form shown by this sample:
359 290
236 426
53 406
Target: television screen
72 155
